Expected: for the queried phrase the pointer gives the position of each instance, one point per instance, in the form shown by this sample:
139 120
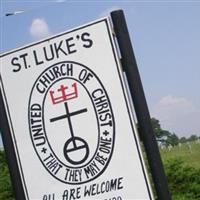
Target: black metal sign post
10 153
130 67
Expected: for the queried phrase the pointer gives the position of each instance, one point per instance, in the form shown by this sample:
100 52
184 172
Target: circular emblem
71 122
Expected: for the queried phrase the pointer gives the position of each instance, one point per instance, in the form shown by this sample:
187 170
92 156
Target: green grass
190 155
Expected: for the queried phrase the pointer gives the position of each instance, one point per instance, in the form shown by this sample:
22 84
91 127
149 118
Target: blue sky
165 37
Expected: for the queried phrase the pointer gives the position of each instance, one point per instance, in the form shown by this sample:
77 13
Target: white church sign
70 118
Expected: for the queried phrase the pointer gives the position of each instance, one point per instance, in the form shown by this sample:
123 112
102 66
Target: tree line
166 138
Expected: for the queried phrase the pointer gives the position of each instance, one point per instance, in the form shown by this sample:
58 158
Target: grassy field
189 153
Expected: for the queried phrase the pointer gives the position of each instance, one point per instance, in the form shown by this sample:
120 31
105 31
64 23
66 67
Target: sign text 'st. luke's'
52 51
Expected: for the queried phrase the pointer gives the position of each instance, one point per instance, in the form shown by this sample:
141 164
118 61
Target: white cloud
177 114
39 28
108 11
180 104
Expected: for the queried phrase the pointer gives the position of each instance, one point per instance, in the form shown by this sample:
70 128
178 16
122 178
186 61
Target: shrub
6 192
184 181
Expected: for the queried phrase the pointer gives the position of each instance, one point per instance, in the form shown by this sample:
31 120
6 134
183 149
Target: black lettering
15 63
74 175
51 55
49 197
40 89
69 70
91 169
88 42
50 75
44 81
23 56
36 124
105 117
70 45
62 71
82 74
105 145
72 194
58 49
109 123
56 72
120 186
37 62
101 159
96 93
106 186
42 140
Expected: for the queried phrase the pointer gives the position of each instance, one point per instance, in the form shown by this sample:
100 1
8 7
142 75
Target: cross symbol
77 142
105 132
44 150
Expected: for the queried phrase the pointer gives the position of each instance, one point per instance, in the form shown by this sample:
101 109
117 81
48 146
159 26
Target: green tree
182 140
159 132
6 191
161 135
172 139
192 138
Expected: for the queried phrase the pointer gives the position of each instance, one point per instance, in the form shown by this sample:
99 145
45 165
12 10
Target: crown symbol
64 95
